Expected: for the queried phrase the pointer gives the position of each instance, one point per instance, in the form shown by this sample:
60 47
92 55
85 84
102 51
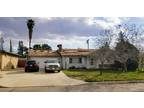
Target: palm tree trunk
30 37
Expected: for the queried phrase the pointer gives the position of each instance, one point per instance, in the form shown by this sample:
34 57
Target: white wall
41 60
85 62
65 62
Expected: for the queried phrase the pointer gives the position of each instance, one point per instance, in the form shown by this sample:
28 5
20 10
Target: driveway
22 79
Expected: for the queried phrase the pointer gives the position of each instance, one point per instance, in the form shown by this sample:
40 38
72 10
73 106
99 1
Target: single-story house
68 58
8 60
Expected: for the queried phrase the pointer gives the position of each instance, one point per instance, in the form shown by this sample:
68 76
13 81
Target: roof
76 52
64 52
9 53
43 53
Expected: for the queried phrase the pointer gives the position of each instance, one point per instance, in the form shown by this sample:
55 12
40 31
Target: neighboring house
8 60
68 58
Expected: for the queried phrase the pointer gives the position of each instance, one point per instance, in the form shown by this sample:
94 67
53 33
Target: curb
119 82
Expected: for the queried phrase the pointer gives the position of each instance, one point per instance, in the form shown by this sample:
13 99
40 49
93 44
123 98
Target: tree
124 51
46 47
10 46
104 37
30 25
25 51
22 50
42 47
141 58
104 54
37 47
131 33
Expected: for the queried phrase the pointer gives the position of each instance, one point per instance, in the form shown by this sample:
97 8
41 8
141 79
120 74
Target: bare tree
104 37
124 50
131 33
104 53
127 36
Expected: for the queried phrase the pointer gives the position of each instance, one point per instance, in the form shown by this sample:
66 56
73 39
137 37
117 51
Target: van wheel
58 70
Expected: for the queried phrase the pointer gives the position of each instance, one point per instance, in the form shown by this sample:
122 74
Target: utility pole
87 43
10 45
1 43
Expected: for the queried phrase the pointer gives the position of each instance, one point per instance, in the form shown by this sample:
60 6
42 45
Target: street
89 87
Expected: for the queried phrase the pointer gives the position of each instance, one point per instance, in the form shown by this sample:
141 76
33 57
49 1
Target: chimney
59 47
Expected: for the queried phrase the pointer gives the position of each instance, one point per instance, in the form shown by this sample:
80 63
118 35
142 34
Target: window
80 60
70 60
91 61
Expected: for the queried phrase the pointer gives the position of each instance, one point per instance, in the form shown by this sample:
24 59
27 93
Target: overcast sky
71 32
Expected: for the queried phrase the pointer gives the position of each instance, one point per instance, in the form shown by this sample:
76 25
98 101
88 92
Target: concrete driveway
22 79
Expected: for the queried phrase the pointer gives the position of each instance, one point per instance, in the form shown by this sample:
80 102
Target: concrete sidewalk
22 79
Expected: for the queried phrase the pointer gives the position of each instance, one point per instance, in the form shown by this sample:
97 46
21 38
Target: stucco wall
65 61
75 62
8 61
0 60
41 60
85 63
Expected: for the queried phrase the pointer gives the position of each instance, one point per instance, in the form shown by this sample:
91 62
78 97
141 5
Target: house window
80 60
91 61
70 60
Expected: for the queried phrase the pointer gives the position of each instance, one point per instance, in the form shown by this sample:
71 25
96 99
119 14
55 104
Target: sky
71 32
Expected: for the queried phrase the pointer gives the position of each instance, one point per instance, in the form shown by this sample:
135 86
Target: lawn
108 75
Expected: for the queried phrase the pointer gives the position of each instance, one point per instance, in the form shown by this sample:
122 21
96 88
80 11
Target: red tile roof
64 52
76 52
43 53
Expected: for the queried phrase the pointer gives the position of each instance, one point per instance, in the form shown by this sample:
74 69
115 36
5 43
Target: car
52 66
31 65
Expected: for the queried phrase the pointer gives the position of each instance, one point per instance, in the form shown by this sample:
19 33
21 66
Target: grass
108 75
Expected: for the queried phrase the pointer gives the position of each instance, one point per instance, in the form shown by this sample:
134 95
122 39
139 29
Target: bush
132 65
72 67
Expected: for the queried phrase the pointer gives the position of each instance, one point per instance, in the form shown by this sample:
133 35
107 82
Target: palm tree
30 25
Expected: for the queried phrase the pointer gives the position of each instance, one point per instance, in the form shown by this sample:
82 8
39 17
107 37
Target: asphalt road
89 87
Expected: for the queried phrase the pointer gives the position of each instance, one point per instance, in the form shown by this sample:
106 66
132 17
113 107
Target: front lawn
94 75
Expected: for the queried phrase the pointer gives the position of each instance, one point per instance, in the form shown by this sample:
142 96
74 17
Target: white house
68 58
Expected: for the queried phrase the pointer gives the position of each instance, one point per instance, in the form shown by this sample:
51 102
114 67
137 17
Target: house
68 58
8 60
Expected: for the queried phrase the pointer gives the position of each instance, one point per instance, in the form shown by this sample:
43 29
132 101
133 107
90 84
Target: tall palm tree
30 25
